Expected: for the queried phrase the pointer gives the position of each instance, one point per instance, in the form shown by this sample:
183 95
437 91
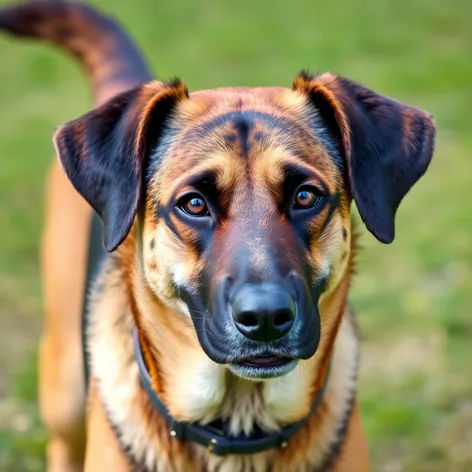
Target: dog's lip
268 360
263 369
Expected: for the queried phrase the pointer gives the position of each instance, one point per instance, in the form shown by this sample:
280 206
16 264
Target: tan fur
354 457
61 388
103 450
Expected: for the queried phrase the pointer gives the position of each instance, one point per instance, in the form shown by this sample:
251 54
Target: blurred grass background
413 297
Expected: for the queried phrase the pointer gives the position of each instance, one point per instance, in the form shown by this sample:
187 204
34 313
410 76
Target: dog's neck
196 389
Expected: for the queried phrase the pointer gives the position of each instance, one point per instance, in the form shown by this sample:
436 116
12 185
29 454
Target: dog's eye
194 205
306 198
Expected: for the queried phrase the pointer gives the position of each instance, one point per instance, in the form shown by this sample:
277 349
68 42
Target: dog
219 333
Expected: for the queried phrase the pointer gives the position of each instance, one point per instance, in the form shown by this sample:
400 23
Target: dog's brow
272 121
291 169
209 180
208 176
205 180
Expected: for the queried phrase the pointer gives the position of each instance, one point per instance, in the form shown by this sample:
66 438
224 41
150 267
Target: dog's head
242 197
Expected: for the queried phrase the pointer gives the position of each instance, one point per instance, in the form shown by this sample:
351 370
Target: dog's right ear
104 152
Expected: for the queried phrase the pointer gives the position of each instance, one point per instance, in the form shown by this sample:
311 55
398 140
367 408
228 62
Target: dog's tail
107 53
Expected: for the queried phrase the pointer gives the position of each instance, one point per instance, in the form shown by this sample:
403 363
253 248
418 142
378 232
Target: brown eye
194 205
306 198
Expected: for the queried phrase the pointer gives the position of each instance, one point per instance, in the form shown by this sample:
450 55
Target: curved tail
106 52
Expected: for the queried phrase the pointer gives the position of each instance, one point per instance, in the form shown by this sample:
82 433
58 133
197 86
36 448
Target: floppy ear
104 152
387 145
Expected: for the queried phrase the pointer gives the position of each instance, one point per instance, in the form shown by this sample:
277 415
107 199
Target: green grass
414 297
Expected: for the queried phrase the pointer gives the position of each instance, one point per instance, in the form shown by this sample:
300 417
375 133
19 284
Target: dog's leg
354 456
103 450
61 372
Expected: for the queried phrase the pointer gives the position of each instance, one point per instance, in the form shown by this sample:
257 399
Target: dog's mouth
265 361
263 367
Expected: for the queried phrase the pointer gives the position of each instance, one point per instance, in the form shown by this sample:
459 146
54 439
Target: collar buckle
211 445
177 429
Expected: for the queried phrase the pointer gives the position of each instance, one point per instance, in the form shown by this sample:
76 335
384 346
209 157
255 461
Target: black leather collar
212 437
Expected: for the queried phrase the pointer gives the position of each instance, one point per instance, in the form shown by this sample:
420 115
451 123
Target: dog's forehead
229 129
207 104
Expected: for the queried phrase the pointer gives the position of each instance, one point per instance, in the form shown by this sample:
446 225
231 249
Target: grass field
414 298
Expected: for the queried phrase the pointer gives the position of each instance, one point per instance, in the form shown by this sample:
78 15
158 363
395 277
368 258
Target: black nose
264 312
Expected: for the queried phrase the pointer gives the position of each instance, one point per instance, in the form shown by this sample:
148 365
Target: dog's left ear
387 145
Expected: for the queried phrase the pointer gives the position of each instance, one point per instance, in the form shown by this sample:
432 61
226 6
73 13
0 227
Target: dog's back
114 65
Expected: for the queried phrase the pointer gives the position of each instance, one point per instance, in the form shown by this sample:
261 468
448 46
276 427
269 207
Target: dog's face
247 222
244 198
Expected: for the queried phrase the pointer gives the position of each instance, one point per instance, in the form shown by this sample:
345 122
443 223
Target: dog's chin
263 368
254 361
